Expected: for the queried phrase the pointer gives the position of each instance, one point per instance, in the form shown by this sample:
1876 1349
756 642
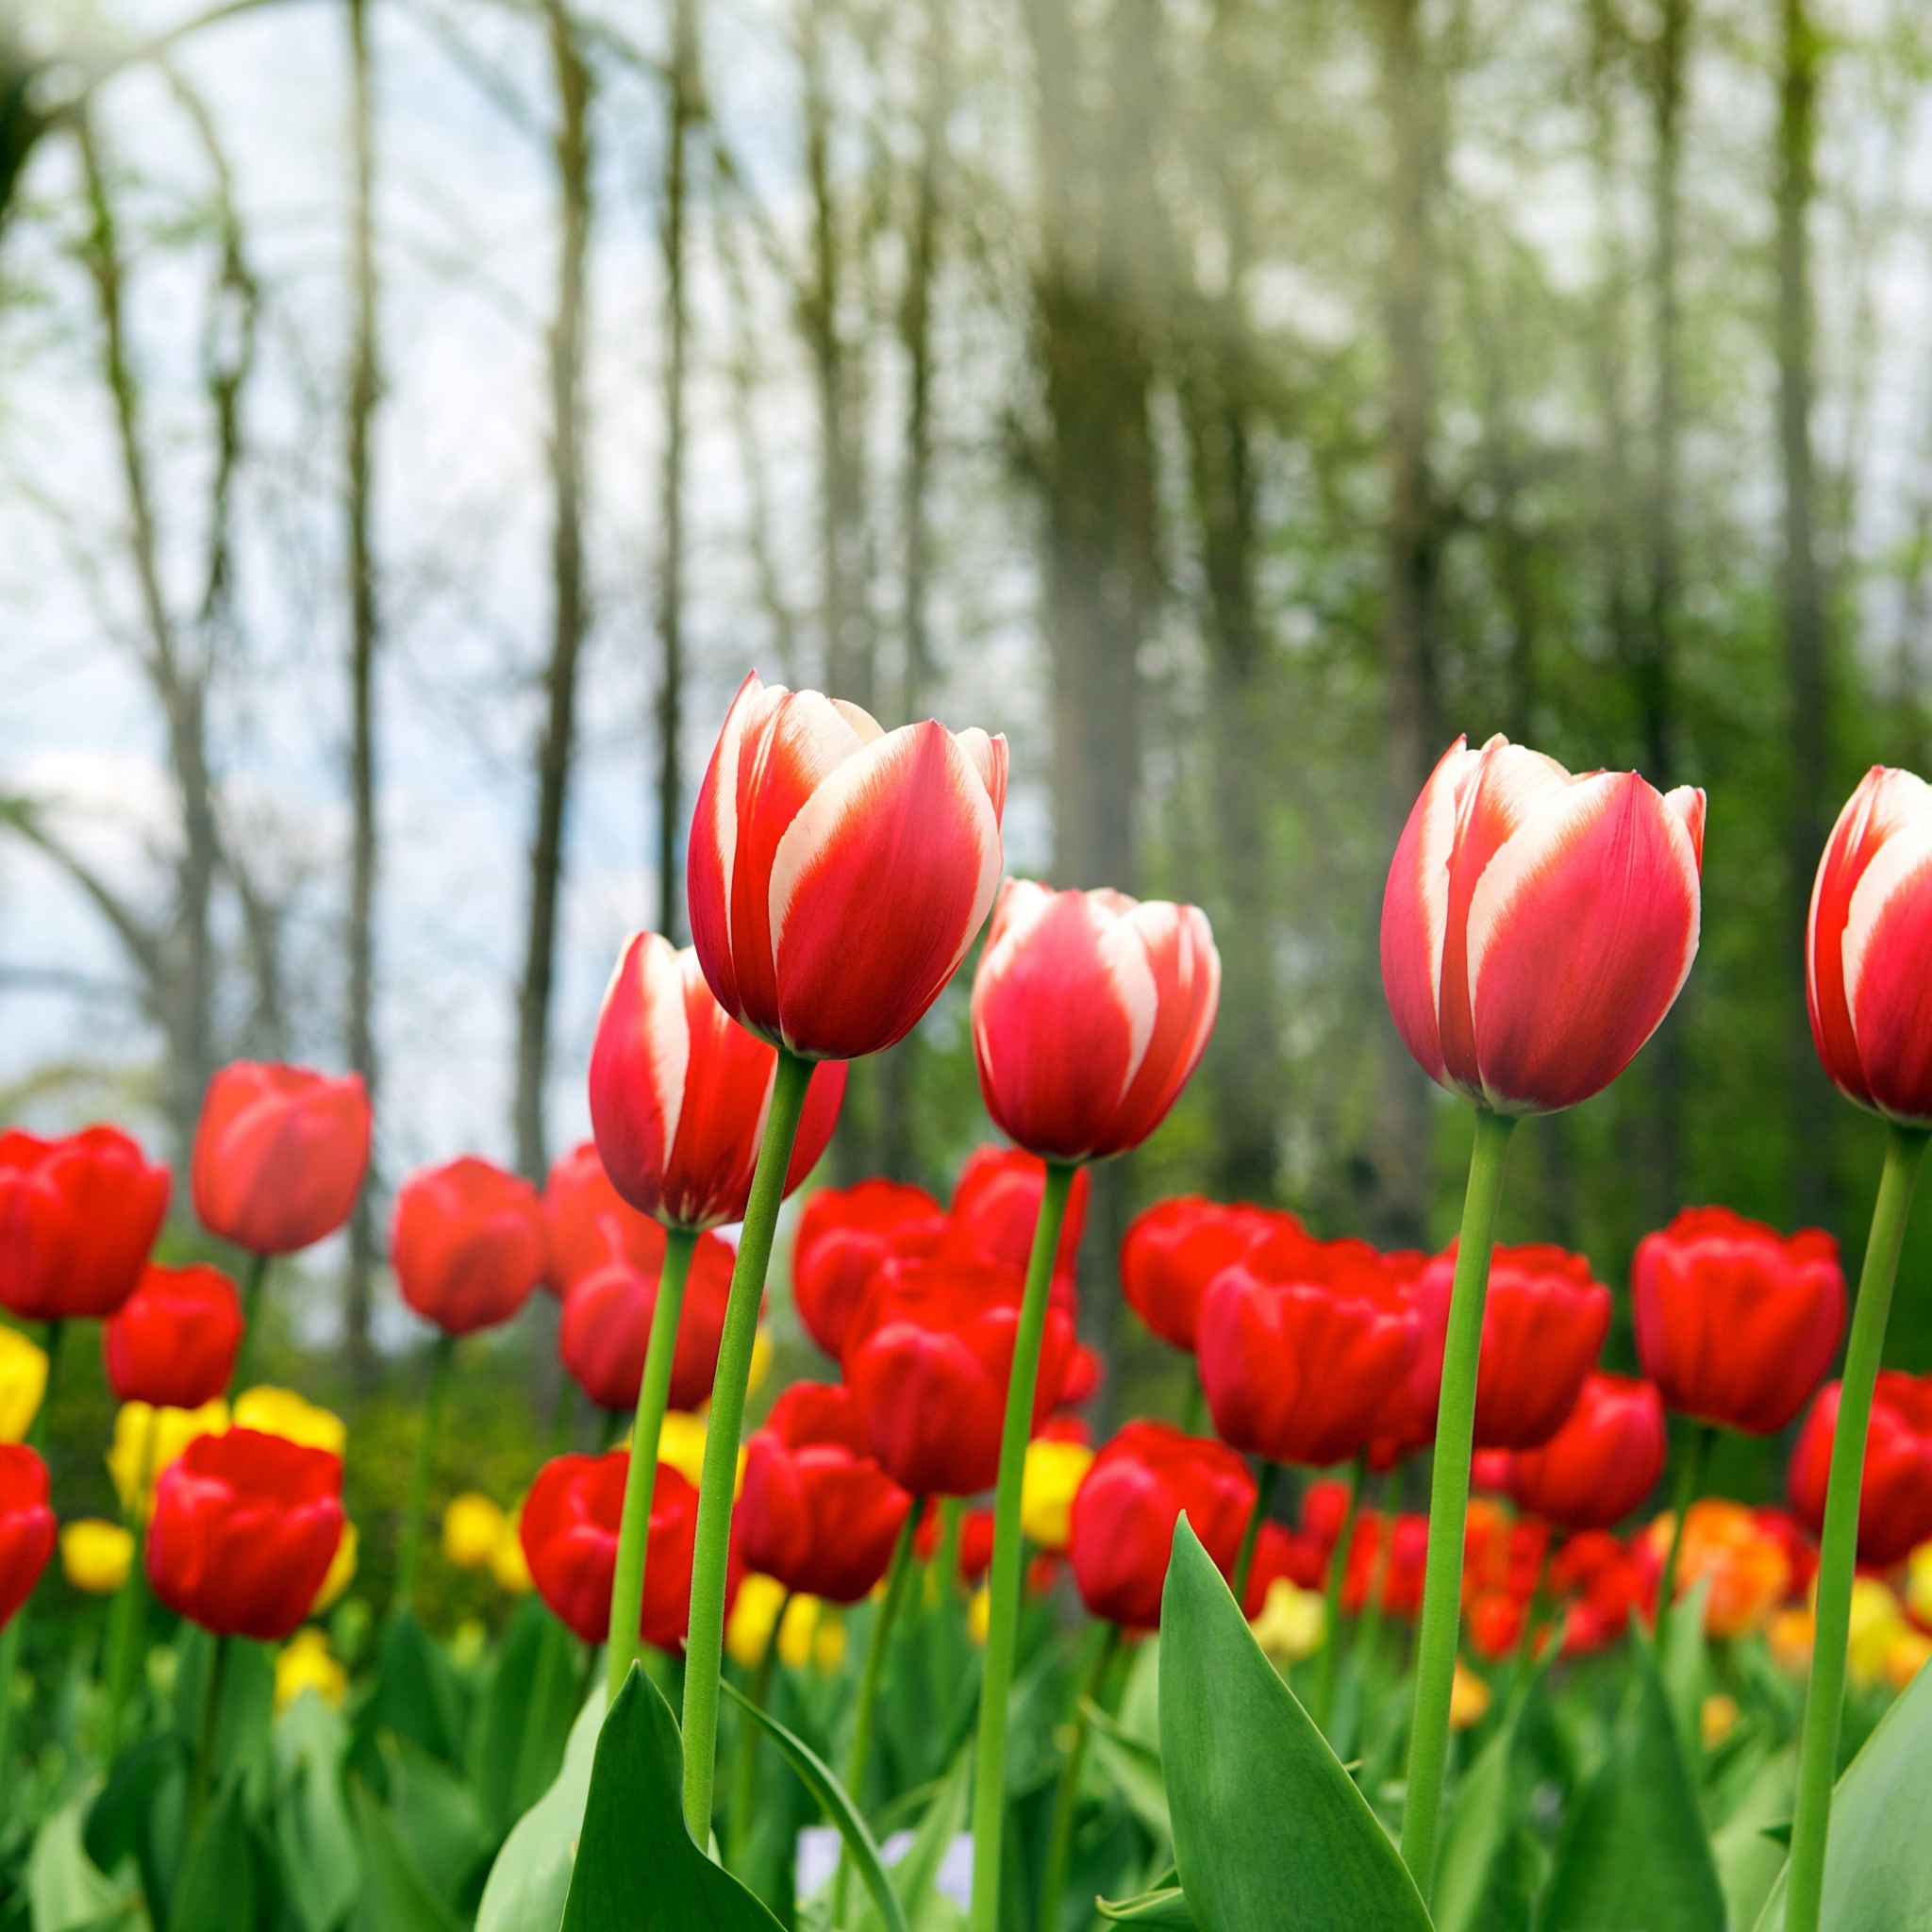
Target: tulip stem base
1066 1802
1265 1479
1839 1547
705 1645
409 1548
251 1311
1331 1605
1690 1481
641 1479
1003 1599
1441 1615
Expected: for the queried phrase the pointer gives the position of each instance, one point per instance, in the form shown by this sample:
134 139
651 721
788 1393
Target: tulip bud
1601 1464
1895 1500
174 1341
606 1327
468 1244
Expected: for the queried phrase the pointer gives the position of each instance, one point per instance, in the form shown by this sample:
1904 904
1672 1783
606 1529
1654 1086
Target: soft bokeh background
1232 400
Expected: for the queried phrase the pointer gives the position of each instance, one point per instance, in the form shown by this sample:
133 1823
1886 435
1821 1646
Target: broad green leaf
416 1695
395 1896
1167 1908
437 1817
1637 1859
1878 1857
637 1868
530 1879
1748 1862
1685 1662
313 1837
66 1888
220 1885
141 1813
1269 1830
822 1783
1140 1712
1476 1837
523 1719
914 1874
1133 1766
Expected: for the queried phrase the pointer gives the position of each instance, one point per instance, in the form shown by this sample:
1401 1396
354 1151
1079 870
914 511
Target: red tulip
1085 1373
1125 1513
26 1526
468 1244
1495 1623
1298 1555
243 1530
1866 948
1736 1324
605 1325
569 1531
817 1512
845 1236
678 1094
174 1340
279 1155
1090 1011
1895 1501
1604 1581
1301 1346
1399 1548
1537 926
77 1217
587 1224
1408 1422
1601 1464
838 872
976 1545
1543 1322
927 1358
996 1203
1177 1247
1801 1552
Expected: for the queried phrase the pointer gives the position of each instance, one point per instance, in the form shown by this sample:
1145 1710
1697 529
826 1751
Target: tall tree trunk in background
684 108
364 389
1400 1159
573 151
1808 685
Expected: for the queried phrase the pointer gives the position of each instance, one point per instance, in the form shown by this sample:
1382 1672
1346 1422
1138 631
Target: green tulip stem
251 1313
1442 1617
745 1771
1690 1481
124 1618
1251 1537
14 1634
1331 1606
705 1645
201 1774
1839 1546
1194 1402
641 1480
1003 1603
410 1549
1066 1801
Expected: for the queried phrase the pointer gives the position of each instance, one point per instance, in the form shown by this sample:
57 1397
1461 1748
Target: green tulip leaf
314 1839
1637 1859
1878 1857
822 1782
636 1867
914 1876
1749 1848
1479 1874
1269 1830
397 1897
66 1888
530 1879
438 1816
523 1719
1133 1766
220 1884
1167 1908
417 1696
140 1813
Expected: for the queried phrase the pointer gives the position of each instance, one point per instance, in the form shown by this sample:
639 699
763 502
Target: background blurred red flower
1895 1502
1177 1247
605 1328
173 1341
1600 1465
77 1217
996 1203
845 1235
468 1244
26 1526
587 1223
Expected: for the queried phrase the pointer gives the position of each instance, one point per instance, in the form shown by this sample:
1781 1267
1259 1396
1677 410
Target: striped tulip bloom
1537 926
838 871
1866 947
1089 1012
679 1094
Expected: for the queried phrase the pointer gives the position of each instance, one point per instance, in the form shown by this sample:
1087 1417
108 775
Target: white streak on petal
663 974
1441 800
1125 940
1898 862
1683 809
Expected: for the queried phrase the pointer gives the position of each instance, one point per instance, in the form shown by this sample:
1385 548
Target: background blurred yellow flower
174 1430
472 1528
1717 1718
1790 1638
761 1358
1469 1698
1746 1566
1054 1471
23 1382
978 1614
1906 1658
341 1570
755 1610
95 1556
1919 1584
305 1663
1291 1622
282 1413
506 1563
1879 1620
681 1443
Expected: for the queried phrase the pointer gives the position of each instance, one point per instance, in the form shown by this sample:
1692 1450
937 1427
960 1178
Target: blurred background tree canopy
416 418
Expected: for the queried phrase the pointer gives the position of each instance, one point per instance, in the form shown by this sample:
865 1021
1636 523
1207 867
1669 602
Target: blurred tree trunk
685 107
364 390
1399 1210
1807 681
570 619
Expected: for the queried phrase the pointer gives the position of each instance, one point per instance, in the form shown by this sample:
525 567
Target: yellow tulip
282 1413
1919 1583
1790 1638
342 1572
797 1630
23 1382
133 1448
1291 1622
761 1358
753 1612
1469 1698
1879 1620
472 1528
1717 1718
979 1614
681 1444
506 1561
829 1645
1053 1472
95 1556
305 1663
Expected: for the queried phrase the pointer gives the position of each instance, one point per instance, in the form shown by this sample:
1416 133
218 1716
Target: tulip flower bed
1419 1616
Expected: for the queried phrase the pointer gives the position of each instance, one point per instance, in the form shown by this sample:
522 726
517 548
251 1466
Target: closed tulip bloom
927 1358
606 1327
569 1533
468 1244
244 1528
679 1094
817 1511
996 1203
845 1236
1601 1464
77 1217
1125 1514
1736 1323
173 1341
26 1526
838 871
1090 1011
1537 925
279 1155
1895 1500
1177 1247
587 1223
1301 1346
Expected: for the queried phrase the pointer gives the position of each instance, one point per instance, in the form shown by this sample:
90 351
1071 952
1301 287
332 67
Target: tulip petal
1889 920
1415 907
